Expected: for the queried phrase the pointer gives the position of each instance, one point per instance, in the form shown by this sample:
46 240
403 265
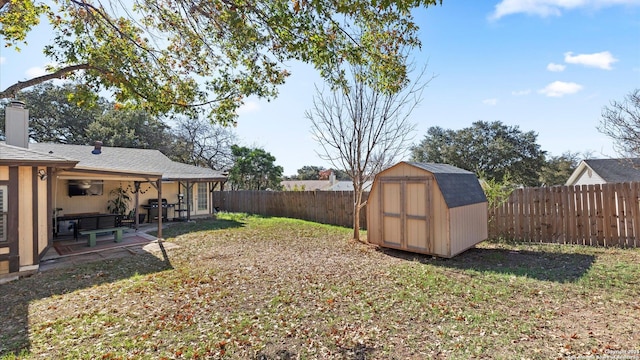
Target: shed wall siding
374 235
445 233
439 222
468 227
404 170
374 204
25 216
436 242
4 173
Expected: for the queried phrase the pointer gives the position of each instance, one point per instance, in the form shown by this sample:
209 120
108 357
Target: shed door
405 214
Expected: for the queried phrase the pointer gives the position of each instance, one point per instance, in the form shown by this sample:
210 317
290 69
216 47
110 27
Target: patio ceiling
93 174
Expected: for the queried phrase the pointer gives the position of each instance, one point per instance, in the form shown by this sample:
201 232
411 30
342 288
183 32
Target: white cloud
2 59
556 67
37 71
546 8
490 102
602 60
521 92
248 107
560 89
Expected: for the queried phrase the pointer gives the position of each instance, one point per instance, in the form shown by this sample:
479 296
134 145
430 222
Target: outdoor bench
92 234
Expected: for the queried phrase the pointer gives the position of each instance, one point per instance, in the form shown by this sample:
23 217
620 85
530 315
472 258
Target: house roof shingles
616 170
16 155
137 161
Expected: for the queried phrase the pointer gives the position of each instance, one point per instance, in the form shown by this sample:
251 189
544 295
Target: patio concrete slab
52 260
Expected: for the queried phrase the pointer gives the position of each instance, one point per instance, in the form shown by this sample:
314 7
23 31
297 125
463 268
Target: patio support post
222 199
159 208
136 189
211 185
189 199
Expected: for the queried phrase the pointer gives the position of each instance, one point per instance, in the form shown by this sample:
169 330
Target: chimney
97 148
17 124
332 178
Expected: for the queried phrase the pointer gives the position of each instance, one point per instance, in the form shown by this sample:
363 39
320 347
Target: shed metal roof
459 187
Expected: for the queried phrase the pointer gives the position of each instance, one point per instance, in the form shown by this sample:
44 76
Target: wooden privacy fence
603 215
326 207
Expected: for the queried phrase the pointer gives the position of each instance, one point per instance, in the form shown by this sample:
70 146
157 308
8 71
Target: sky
547 66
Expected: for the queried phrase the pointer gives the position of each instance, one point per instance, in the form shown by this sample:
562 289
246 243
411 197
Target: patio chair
89 223
130 219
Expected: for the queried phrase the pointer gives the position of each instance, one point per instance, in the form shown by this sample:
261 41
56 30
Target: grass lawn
245 287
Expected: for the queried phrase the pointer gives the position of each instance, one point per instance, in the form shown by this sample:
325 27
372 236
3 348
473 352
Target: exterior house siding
26 216
589 177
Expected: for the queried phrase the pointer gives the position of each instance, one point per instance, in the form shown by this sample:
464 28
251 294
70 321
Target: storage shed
434 209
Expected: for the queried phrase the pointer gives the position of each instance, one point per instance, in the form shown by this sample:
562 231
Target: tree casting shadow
16 296
178 229
540 265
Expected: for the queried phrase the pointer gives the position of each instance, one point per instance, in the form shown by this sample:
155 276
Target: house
305 185
605 171
327 182
42 185
427 208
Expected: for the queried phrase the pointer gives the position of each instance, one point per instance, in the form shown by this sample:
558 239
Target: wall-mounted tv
85 187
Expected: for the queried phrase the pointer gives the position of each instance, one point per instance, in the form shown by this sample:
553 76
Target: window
3 213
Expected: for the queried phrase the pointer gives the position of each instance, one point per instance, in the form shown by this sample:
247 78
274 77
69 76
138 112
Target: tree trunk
356 221
357 205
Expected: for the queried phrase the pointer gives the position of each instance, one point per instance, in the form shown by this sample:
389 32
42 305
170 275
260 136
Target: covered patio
67 245
156 189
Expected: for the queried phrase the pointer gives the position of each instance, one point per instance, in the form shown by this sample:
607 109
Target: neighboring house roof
15 155
609 170
459 187
305 185
347 185
321 185
129 160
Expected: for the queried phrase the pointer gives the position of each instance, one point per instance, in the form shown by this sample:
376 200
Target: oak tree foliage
254 169
489 149
557 169
56 116
185 56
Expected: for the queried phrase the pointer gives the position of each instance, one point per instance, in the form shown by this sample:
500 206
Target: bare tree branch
621 122
362 130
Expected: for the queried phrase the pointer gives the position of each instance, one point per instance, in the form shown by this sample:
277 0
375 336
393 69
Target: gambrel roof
459 187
